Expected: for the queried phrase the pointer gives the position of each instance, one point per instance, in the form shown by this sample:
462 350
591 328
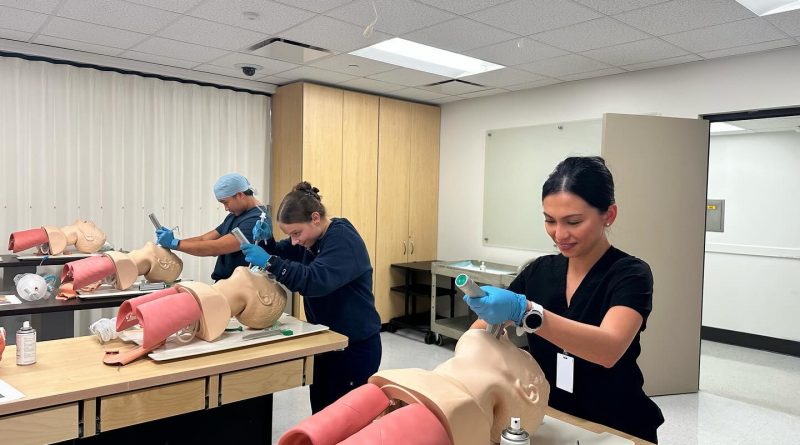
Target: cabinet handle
412 246
404 247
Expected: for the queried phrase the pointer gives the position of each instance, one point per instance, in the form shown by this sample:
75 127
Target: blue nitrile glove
254 254
165 238
262 230
498 305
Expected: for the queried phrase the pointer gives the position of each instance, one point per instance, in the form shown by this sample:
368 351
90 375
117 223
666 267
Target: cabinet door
660 168
423 182
287 145
322 144
360 165
394 154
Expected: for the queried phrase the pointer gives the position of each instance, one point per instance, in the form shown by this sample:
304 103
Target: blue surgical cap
229 185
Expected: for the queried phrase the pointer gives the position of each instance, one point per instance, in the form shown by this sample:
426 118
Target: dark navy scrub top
230 261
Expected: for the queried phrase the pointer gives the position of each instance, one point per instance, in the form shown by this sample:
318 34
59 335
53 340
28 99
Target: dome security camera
248 69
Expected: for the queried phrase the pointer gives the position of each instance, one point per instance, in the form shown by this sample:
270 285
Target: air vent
288 51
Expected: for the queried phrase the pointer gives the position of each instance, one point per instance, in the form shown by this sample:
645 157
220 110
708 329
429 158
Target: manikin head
254 299
235 193
475 393
302 216
578 204
85 236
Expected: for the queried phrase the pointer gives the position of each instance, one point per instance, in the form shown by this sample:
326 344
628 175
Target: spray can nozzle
515 434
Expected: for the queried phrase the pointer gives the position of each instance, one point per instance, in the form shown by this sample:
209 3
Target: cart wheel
430 338
439 340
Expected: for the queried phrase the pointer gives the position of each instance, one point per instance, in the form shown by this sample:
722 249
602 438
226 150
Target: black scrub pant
338 372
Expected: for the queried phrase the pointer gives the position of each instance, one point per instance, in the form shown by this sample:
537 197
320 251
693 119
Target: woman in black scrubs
585 308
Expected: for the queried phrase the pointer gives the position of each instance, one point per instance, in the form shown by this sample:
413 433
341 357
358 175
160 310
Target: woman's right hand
498 305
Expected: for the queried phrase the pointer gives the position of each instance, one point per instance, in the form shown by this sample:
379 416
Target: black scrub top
228 262
612 397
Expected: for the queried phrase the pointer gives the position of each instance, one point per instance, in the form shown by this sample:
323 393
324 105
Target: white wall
751 268
764 80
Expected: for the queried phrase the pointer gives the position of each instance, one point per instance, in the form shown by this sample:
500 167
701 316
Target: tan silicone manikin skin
255 300
84 235
475 393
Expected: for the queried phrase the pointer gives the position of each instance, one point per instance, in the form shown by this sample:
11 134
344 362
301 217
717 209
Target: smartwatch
532 320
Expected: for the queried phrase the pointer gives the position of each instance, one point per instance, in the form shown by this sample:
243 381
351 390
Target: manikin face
576 227
304 233
235 204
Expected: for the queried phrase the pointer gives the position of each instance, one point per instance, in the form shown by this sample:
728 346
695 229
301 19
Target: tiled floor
746 396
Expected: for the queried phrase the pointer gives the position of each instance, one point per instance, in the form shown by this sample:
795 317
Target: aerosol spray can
514 434
26 344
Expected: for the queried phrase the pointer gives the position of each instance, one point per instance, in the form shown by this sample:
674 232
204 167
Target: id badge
565 370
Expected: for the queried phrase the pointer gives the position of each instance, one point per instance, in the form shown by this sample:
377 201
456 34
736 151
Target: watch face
533 320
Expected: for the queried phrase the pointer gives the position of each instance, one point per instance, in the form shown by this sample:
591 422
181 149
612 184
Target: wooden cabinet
408 184
376 163
328 137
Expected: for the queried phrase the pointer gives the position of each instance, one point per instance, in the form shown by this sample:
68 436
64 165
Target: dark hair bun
308 189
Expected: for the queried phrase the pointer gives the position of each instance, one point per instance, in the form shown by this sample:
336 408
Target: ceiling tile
231 72
526 17
217 35
408 77
454 87
503 77
460 34
489 92
169 5
178 50
329 33
269 66
530 85
371 85
152 58
683 15
564 65
11 34
662 62
315 5
315 74
788 22
91 33
275 80
593 34
462 7
727 35
76 45
610 7
590 74
45 6
353 65
516 52
272 17
19 20
749 48
635 52
117 14
446 99
395 17
417 94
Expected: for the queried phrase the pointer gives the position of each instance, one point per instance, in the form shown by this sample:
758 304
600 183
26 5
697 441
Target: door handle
404 247
412 246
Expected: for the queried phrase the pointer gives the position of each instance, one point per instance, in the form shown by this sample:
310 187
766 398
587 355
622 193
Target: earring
608 224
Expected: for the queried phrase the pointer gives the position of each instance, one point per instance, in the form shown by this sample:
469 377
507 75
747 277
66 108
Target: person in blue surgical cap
237 195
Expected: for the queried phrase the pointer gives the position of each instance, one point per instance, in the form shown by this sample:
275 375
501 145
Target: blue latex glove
165 238
254 254
262 230
498 305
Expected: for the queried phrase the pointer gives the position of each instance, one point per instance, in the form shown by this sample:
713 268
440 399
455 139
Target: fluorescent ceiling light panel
724 127
767 7
426 58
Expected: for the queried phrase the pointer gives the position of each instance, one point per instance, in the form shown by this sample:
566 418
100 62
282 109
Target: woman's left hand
254 254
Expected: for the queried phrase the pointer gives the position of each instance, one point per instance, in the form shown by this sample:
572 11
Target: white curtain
112 148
